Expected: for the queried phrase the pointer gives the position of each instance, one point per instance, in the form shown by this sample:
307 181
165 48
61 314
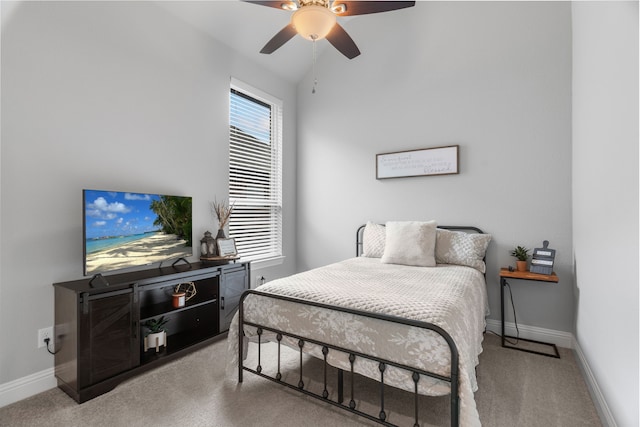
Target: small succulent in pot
155 325
522 254
156 335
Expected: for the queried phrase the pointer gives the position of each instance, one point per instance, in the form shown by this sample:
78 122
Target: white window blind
255 172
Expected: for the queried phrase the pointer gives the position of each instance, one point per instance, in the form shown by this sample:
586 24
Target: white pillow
455 247
410 243
373 238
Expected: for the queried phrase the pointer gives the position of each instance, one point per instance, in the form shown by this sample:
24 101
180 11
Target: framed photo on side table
226 247
542 259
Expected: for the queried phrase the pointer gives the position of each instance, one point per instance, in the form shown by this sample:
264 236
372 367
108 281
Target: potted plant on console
219 250
522 254
156 335
222 211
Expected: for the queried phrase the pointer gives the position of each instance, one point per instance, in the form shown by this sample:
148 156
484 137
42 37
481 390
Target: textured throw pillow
459 248
410 243
373 238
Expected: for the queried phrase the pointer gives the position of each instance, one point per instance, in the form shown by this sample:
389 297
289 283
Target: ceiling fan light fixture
313 22
339 8
289 6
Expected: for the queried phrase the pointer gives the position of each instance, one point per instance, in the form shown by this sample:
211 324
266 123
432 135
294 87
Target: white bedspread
452 297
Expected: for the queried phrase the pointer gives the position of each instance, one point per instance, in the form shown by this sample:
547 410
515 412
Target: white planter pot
155 340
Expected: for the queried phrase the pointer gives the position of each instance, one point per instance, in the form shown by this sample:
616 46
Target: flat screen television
123 230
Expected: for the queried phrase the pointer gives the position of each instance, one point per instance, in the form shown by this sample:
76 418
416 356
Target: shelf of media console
166 308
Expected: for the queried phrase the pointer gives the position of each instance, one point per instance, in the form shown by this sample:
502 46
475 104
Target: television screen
123 230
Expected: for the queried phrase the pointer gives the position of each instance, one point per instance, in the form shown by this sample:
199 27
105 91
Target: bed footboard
353 355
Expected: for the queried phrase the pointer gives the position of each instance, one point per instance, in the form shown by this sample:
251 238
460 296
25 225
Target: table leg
502 285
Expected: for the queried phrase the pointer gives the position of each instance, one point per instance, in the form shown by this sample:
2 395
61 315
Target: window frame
275 255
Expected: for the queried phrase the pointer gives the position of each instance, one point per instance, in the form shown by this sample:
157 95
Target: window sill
266 262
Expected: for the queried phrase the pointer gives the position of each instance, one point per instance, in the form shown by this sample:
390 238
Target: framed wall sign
226 247
426 161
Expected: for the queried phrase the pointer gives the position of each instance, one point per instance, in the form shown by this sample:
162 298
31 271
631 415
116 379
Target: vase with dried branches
222 211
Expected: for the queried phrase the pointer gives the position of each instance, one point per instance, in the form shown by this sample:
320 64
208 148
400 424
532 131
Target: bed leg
301 382
382 415
455 413
279 374
455 398
325 351
240 337
352 402
240 350
340 386
416 377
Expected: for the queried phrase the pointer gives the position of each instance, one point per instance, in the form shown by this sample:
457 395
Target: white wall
605 199
111 95
493 77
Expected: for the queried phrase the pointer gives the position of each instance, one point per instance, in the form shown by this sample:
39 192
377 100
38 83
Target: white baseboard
596 394
28 386
559 338
39 382
565 340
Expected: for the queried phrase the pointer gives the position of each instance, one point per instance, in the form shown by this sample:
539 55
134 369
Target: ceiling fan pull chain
315 77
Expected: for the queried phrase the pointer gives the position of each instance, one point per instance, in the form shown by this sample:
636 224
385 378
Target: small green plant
521 253
155 325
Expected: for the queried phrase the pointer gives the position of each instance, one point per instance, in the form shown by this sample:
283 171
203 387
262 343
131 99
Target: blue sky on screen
109 213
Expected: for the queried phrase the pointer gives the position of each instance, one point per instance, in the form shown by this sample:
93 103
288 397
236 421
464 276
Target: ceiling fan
316 19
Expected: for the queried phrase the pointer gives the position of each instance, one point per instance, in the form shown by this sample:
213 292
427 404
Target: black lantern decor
208 247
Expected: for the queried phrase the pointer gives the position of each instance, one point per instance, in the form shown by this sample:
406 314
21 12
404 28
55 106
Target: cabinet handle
221 303
85 302
135 329
135 293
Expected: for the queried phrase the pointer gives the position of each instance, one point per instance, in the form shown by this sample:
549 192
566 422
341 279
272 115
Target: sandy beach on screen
148 250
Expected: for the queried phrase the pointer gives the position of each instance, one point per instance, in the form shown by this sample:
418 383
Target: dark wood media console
99 339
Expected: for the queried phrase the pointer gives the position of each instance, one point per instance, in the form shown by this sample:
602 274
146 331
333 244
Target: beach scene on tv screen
131 229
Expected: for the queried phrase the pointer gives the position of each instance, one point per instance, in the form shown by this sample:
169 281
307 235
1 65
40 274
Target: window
255 172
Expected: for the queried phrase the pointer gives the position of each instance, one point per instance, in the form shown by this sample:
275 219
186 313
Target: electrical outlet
43 334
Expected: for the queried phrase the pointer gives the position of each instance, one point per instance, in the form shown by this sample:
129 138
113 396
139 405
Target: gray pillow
459 248
373 238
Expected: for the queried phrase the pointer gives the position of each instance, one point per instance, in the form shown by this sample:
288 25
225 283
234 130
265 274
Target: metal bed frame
381 417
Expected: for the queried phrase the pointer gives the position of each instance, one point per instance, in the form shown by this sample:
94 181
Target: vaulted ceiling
246 28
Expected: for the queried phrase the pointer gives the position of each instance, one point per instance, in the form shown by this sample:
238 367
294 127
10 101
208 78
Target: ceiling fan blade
364 7
283 36
342 41
282 4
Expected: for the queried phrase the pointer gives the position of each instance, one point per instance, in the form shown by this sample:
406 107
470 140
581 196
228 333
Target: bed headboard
466 228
